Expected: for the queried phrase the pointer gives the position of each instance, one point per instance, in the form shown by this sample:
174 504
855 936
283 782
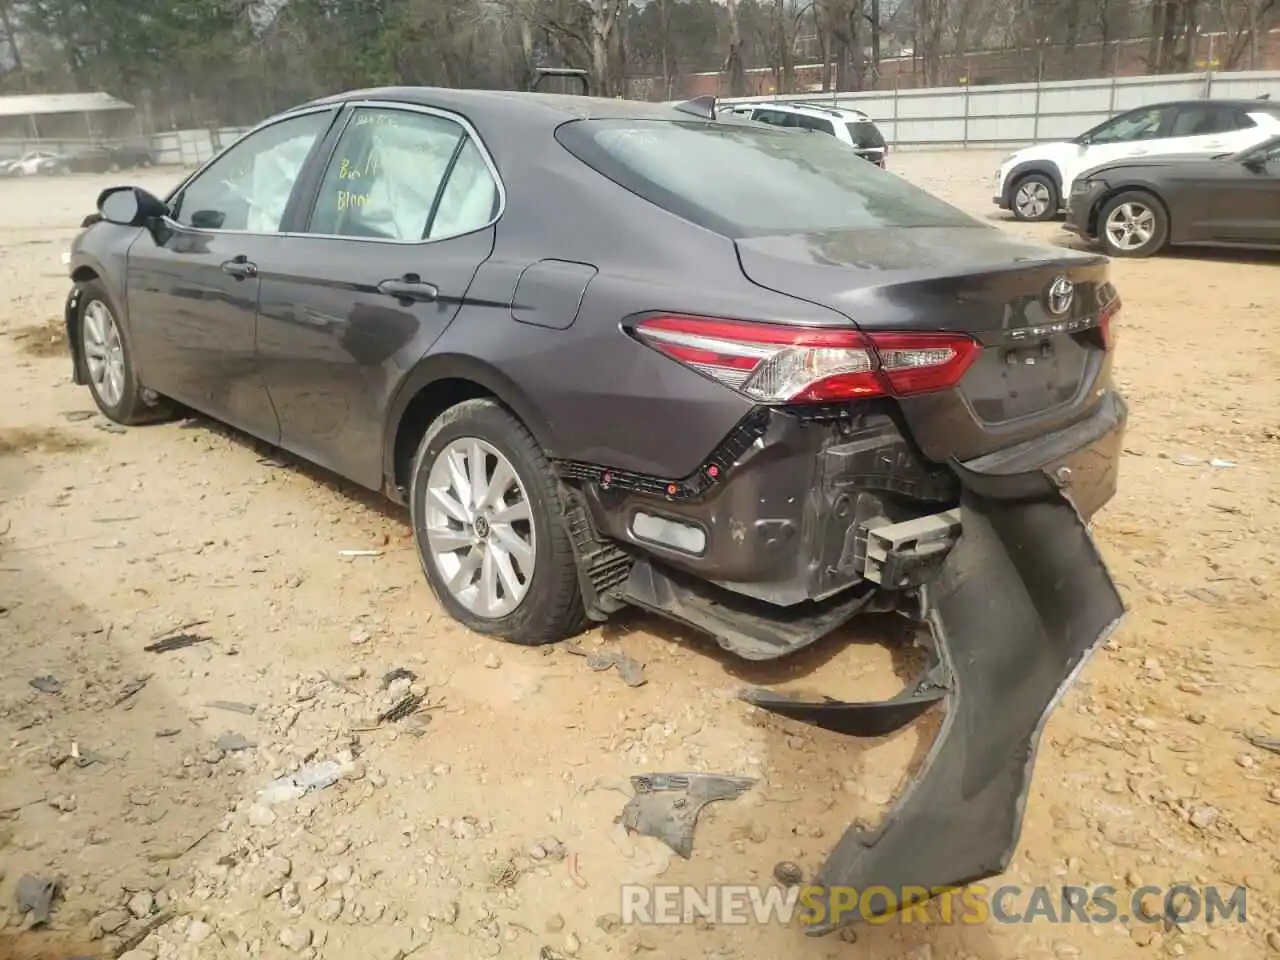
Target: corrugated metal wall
1021 113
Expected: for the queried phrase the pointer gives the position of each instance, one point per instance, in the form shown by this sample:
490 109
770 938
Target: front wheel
1133 224
490 529
108 362
1035 197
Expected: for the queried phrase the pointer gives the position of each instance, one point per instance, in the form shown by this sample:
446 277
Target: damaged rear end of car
937 449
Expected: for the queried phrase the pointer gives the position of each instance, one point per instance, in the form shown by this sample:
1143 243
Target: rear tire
1034 197
1133 224
504 566
107 355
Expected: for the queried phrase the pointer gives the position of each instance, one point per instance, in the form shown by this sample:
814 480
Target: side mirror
1256 164
130 206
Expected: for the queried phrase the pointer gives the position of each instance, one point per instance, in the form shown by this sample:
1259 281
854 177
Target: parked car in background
852 127
1034 183
109 157
1137 207
34 162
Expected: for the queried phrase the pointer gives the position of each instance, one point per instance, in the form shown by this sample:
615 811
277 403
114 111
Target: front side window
766 182
248 187
1138 125
406 176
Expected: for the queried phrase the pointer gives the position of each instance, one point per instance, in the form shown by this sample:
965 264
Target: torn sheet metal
1019 605
666 805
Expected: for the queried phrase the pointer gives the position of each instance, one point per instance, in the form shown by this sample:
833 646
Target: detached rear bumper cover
1020 603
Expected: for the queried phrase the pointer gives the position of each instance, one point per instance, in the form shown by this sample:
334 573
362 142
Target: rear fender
452 366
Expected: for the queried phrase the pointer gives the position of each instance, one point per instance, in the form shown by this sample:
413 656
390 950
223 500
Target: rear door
403 217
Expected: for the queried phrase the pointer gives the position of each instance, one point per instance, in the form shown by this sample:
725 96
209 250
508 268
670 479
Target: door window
248 187
817 124
405 176
776 118
1142 124
1200 120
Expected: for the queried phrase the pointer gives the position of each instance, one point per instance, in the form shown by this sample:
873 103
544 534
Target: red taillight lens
775 363
1107 323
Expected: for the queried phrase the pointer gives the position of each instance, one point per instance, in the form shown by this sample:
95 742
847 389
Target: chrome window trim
463 122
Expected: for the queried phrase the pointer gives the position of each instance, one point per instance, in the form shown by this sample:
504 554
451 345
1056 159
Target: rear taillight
775 363
1107 317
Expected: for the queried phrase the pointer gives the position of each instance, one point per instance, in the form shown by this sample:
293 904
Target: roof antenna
704 107
1264 96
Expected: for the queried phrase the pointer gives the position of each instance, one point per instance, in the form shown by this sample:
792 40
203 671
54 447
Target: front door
1133 134
403 219
193 283
1245 204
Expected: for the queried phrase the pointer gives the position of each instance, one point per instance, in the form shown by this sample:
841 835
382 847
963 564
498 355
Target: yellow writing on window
354 171
348 200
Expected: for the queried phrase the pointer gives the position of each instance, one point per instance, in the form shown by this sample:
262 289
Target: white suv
848 126
1035 183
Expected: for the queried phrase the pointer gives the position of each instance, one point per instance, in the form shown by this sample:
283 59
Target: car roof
1267 106
793 106
497 105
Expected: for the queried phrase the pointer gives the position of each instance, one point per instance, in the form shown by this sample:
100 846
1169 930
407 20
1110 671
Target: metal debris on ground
233 743
666 805
177 641
46 684
631 671
75 416
233 706
359 553
130 690
110 428
1271 744
35 895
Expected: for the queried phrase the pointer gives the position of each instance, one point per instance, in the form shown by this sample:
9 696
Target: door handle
240 267
410 288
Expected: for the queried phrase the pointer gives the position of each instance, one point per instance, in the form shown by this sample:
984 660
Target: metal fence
1016 114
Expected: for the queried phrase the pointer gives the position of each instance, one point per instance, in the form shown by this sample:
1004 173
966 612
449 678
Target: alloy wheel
1032 199
104 353
1131 226
479 527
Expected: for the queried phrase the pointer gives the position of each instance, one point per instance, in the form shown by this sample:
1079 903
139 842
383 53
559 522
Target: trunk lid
1039 370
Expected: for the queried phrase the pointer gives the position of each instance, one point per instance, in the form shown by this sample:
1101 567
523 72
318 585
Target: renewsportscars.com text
974 904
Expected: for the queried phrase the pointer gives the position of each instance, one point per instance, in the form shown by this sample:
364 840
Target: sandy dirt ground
484 825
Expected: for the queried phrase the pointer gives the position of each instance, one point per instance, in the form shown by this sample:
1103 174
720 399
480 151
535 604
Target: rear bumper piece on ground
1019 604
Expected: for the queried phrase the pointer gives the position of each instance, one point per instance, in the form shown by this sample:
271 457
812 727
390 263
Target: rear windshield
745 180
865 135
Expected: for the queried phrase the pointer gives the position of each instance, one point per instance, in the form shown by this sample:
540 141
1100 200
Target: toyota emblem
1059 296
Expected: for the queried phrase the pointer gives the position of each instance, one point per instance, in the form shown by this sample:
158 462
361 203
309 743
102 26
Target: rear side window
865 135
821 125
405 176
744 182
1201 120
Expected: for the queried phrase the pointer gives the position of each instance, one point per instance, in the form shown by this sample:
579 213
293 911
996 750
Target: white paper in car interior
411 161
274 173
